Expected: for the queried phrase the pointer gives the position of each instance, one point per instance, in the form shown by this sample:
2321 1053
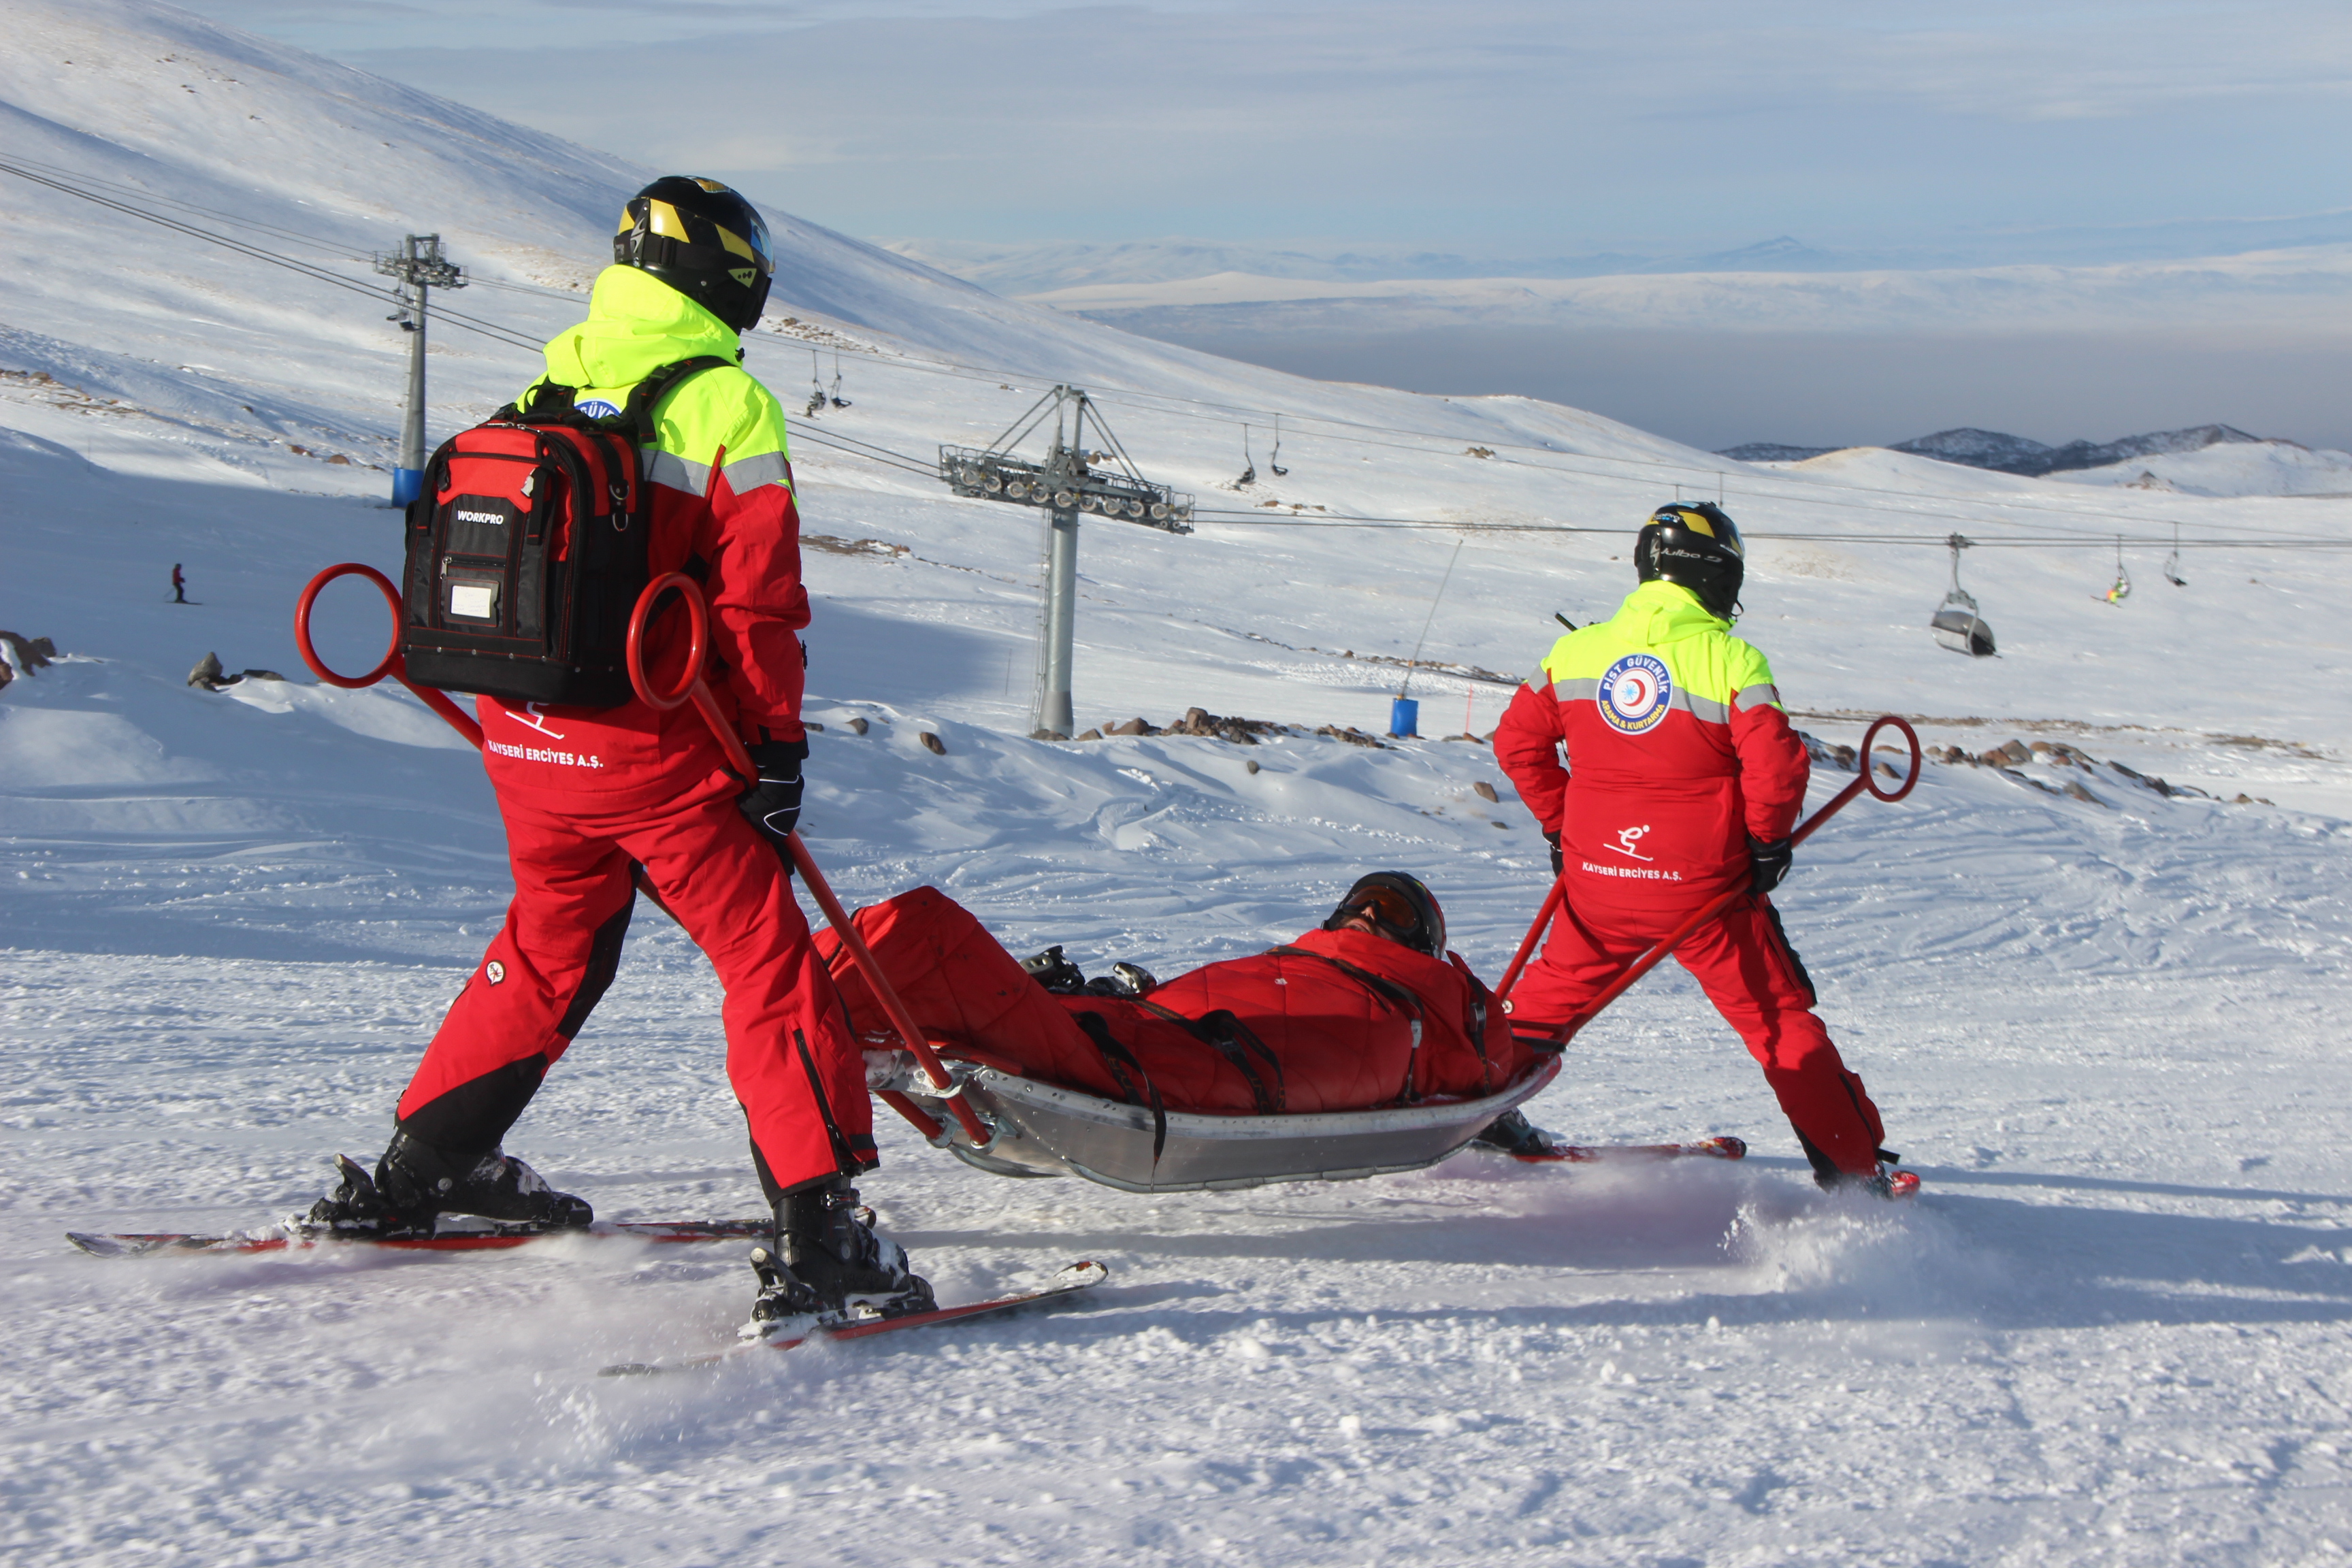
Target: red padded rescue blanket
1334 1021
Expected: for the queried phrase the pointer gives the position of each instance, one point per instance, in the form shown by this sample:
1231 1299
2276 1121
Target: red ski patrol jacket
1677 751
723 513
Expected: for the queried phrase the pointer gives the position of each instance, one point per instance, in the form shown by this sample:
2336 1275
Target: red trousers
1749 970
796 1070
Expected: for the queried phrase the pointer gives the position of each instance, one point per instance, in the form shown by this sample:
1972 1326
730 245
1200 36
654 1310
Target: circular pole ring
1869 774
698 615
388 665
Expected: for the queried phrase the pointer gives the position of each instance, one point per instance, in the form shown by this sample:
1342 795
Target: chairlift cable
1415 663
1801 492
28 169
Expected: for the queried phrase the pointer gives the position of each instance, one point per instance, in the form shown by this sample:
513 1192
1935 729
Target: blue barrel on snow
1405 718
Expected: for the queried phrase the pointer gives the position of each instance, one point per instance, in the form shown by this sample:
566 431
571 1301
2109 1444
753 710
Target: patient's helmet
1399 907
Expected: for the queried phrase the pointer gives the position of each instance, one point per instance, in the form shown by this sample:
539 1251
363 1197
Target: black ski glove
1769 861
1559 861
773 805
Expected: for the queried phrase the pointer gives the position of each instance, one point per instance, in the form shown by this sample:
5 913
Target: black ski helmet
1697 546
703 240
1400 906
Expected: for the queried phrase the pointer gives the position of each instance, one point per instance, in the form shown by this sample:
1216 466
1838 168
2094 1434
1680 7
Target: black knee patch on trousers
604 963
1790 948
472 1119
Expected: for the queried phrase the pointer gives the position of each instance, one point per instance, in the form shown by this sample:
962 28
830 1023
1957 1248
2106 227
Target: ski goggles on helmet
1389 910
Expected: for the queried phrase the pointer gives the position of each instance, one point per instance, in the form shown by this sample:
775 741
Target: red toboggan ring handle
692 689
391 664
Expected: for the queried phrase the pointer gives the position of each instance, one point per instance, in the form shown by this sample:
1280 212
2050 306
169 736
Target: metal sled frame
1039 1130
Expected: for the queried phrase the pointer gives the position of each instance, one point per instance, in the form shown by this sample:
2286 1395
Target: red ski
1070 1282
458 1233
1724 1148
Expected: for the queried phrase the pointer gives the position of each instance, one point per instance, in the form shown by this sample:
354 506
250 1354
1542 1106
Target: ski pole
1864 780
393 665
691 687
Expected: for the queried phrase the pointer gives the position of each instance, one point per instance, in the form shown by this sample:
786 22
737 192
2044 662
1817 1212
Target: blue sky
1676 126
1565 137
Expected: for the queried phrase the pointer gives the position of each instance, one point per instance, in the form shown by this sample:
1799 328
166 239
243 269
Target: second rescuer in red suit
1683 780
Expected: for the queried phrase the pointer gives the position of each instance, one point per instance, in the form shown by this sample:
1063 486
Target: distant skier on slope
1684 780
178 584
626 784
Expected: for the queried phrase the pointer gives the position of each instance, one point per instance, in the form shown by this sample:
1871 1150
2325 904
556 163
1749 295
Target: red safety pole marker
691 689
1674 939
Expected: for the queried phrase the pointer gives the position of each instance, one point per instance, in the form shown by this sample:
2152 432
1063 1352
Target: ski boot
415 1184
1129 980
1055 972
1515 1135
828 1265
1885 1182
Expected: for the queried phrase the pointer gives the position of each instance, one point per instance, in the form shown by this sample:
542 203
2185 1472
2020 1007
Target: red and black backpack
527 548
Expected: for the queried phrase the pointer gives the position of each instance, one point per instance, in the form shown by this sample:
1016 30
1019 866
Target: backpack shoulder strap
655 387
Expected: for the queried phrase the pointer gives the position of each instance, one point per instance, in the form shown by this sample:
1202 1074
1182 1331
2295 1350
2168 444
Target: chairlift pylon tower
1069 481
421 268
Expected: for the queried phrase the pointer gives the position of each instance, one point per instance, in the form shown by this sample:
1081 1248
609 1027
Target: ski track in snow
2108 1032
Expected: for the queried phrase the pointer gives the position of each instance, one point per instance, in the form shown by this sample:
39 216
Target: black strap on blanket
1478 997
1234 1040
1118 1060
1405 999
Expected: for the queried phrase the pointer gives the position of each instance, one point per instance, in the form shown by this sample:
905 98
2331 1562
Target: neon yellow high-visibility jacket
1677 749
723 513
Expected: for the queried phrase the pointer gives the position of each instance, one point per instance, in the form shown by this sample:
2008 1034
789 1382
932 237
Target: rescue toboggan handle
691 687
1626 977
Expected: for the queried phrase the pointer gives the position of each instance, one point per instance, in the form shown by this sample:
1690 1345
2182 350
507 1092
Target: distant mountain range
2009 454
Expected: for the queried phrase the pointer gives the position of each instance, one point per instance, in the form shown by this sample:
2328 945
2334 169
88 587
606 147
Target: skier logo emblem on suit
1629 840
535 716
1636 694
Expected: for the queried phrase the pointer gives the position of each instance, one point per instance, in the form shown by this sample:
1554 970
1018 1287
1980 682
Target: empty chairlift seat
1957 623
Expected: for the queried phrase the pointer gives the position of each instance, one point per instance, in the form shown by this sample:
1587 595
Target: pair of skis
465 1233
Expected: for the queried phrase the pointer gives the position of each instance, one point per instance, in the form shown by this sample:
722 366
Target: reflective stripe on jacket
723 513
1677 749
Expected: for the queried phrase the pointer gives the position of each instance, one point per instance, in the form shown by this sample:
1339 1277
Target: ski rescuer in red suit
1684 780
586 792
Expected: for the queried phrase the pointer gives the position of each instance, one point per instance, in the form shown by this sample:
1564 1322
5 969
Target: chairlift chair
2172 562
2121 588
816 389
1249 464
1957 623
837 400
1275 462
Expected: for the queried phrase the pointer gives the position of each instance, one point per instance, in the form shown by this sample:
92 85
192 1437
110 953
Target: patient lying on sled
1368 1010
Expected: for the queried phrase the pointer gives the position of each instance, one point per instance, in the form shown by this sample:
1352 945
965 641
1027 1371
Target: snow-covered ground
2107 1030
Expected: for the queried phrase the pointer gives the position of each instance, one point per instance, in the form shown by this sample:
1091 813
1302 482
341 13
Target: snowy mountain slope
2262 469
2106 1030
